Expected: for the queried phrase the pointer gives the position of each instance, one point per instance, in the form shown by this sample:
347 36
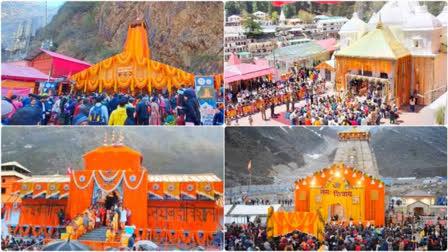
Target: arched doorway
337 212
418 211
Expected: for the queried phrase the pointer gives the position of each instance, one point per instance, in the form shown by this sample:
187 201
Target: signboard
206 94
49 88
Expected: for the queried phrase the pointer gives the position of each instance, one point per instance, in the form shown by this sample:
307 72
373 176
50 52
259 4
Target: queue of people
179 108
337 237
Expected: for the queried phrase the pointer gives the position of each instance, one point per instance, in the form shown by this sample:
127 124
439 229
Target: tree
250 25
305 16
274 17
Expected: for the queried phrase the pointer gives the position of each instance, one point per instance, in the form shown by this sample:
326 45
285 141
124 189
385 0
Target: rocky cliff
188 35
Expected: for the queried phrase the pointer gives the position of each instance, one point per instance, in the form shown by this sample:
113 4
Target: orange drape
136 196
42 212
183 215
80 199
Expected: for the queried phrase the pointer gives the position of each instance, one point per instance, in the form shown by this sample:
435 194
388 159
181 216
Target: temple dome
394 13
355 24
443 16
422 20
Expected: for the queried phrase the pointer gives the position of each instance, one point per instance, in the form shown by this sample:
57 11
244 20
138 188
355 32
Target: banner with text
206 93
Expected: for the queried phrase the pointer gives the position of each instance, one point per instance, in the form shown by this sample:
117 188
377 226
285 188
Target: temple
400 52
133 71
347 192
182 207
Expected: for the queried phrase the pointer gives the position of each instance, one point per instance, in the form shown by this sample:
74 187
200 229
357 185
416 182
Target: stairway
97 234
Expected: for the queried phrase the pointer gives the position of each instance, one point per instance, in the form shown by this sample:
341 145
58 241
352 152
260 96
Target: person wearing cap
119 115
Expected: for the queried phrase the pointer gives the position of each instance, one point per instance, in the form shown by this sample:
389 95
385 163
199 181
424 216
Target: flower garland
88 183
36 231
48 233
158 236
93 70
155 66
171 236
140 82
25 231
108 83
124 83
107 63
200 240
123 58
79 84
111 190
108 179
185 237
159 83
139 183
140 61
92 85
169 70
83 74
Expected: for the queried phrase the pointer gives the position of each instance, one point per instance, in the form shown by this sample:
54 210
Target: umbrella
66 245
122 248
146 245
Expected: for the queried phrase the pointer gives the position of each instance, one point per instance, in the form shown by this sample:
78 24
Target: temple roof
377 44
206 177
417 193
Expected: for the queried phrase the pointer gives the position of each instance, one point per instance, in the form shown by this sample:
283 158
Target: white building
261 16
330 24
234 20
234 41
352 30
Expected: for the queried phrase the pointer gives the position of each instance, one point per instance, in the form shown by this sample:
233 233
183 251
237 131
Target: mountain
274 152
15 13
282 154
165 150
187 35
410 151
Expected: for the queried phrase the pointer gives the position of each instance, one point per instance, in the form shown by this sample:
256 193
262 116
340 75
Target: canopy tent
304 54
296 52
22 73
20 79
329 44
253 210
377 52
328 64
133 69
236 71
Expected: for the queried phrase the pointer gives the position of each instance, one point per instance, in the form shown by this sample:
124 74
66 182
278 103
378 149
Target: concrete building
330 25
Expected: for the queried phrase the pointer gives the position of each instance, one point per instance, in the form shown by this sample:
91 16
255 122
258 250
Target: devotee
98 108
119 115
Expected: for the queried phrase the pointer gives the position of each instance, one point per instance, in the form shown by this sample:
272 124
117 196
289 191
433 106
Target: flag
69 170
249 165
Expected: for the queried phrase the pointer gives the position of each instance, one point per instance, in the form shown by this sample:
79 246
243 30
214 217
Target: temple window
418 43
383 75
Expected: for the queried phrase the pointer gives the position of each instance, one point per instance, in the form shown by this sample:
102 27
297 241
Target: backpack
95 117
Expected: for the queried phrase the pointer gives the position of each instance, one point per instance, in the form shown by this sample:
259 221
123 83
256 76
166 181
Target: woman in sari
155 115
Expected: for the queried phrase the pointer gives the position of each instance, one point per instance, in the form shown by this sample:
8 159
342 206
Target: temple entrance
337 212
418 211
